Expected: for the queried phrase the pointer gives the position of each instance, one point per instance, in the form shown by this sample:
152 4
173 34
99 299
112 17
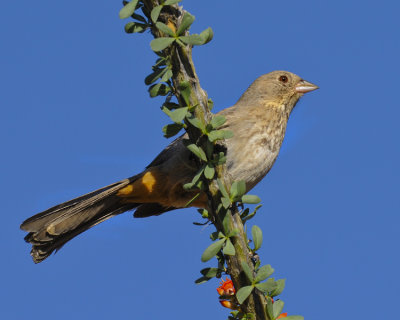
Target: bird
258 120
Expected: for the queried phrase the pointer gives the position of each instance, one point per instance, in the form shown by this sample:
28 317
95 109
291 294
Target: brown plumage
258 121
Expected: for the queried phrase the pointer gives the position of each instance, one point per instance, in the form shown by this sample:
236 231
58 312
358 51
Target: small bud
227 304
282 315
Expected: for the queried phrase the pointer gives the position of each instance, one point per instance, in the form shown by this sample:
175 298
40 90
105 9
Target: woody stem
184 71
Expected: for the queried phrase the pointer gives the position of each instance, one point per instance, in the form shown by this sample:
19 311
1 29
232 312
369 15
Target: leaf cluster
223 243
180 36
236 194
169 32
271 287
141 24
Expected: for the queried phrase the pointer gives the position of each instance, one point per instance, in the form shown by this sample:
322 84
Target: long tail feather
51 229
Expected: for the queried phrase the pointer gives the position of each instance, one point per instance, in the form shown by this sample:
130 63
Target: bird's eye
283 79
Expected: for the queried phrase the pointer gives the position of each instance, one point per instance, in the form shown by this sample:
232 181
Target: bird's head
278 88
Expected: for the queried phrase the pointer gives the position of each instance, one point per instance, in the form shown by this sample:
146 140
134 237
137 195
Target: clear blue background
75 116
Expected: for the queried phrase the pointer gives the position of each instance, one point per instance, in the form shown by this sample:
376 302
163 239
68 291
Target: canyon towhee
258 121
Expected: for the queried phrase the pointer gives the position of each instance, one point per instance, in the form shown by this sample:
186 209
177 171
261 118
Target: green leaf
154 89
193 39
187 21
155 13
227 134
294 318
209 150
184 88
251 199
188 186
209 272
219 135
269 308
166 111
139 17
200 185
267 286
217 121
214 135
222 189
198 175
214 236
277 307
171 129
204 213
196 122
209 171
247 271
202 280
220 158
171 105
212 250
226 202
279 288
169 2
233 233
178 115
133 27
264 272
226 220
158 72
164 28
246 217
167 75
160 62
257 237
159 89
229 249
197 151
243 293
128 9
207 35
160 43
238 188
196 179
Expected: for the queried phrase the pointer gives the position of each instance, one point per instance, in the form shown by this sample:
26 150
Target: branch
169 24
184 70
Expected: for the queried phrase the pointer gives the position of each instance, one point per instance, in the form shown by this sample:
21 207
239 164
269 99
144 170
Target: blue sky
76 116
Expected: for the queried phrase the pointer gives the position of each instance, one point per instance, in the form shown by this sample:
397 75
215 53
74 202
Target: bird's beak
303 86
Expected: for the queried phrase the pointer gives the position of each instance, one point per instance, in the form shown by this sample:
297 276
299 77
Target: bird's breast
252 154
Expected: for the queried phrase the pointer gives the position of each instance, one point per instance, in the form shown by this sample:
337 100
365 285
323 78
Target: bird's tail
51 229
